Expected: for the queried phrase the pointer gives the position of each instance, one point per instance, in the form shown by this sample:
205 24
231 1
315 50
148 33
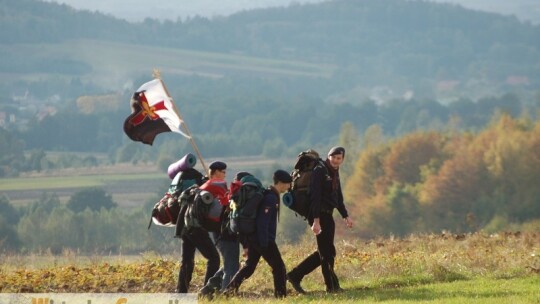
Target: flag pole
157 75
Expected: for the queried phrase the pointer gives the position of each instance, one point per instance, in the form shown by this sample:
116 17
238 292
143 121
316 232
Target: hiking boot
207 290
295 284
229 292
335 290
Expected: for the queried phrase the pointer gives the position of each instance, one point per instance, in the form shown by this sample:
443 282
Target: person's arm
342 209
315 197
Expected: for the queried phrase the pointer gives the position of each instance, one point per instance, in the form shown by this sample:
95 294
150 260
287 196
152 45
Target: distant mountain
411 45
137 10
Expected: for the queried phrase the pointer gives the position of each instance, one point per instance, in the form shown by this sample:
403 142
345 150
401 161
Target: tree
350 140
92 198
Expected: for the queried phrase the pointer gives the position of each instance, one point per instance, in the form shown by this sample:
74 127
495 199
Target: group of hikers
324 195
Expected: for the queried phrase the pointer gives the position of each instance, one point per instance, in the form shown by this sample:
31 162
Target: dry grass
380 263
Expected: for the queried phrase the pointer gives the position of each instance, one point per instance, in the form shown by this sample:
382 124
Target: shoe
229 292
295 284
207 290
335 290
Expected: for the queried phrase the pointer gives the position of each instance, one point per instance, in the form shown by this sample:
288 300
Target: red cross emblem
147 110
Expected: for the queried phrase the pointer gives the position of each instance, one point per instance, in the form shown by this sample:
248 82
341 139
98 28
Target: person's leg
305 267
187 264
230 251
208 250
327 251
273 257
253 257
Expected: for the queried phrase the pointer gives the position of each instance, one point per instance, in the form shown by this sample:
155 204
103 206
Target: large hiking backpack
166 210
297 199
244 204
202 209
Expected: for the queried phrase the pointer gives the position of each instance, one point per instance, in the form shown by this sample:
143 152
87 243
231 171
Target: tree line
253 126
458 181
422 182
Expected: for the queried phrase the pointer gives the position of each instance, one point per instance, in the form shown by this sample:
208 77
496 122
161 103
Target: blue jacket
267 216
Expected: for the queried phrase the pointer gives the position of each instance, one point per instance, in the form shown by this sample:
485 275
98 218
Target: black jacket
323 198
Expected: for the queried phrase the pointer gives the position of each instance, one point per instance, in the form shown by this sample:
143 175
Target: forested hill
34 21
261 79
375 40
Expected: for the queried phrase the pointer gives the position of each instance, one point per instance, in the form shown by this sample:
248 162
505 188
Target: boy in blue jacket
263 242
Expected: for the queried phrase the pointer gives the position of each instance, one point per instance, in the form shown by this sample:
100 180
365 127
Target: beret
218 165
282 176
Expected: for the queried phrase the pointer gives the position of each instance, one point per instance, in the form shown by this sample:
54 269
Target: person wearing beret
263 242
325 195
197 238
227 243
216 183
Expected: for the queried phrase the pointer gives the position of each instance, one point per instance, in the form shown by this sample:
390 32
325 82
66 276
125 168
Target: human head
217 170
241 174
282 180
336 155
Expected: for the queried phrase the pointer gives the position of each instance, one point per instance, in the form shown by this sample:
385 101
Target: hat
282 176
241 174
218 165
336 150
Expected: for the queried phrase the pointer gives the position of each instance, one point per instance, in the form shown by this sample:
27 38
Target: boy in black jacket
325 196
263 242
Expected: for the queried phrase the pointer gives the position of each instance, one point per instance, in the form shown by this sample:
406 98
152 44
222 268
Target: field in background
114 64
129 184
445 268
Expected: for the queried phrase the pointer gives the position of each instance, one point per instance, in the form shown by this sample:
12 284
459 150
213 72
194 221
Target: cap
282 176
217 165
336 150
241 174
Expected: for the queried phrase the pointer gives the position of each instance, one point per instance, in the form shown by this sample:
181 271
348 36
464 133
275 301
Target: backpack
202 209
297 199
165 211
244 204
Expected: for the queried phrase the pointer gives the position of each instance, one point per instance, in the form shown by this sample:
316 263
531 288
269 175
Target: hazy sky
137 10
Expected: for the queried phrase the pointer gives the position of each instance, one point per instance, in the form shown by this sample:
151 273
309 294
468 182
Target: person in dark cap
198 238
263 242
325 195
217 165
226 243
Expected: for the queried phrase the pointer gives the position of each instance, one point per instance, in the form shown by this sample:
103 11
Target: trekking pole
157 75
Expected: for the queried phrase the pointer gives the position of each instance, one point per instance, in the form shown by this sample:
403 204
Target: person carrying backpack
325 195
262 243
227 245
194 235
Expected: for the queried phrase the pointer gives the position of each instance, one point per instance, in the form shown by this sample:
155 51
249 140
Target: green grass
479 290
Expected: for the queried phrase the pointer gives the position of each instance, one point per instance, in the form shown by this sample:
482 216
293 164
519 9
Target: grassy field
126 183
446 268
114 63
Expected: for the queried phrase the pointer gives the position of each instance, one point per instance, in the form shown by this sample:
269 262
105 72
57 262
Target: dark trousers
196 238
324 256
272 256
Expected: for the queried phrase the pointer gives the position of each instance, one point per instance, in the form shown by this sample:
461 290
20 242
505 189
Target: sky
138 10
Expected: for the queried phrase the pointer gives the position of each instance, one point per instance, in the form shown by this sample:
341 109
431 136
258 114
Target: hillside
264 81
393 43
169 9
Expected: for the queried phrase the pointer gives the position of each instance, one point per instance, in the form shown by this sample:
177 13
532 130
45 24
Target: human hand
316 227
348 222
